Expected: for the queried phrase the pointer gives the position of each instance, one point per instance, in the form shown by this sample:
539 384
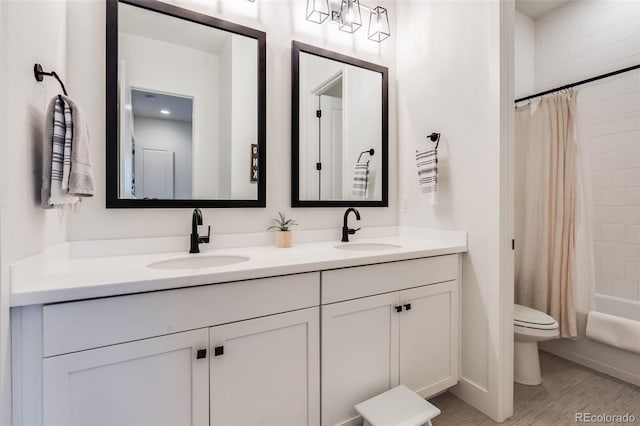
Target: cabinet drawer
361 281
75 326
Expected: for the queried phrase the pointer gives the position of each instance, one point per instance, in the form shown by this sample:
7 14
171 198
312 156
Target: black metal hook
435 137
369 151
39 75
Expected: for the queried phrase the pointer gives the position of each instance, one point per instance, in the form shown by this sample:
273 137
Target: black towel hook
369 151
39 75
435 137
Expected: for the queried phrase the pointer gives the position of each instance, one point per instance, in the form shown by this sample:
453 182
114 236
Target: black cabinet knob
407 306
399 308
218 350
201 353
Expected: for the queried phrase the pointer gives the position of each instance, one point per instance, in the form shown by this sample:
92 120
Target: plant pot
284 239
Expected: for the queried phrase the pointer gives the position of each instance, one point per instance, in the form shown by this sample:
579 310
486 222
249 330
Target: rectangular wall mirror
339 130
186 99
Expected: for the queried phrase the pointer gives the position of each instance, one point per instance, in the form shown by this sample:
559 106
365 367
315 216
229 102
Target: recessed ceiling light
165 111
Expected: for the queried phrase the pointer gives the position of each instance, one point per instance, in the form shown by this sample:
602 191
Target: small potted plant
284 236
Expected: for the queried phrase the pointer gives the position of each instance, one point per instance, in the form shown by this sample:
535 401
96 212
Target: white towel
360 180
427 165
616 331
81 182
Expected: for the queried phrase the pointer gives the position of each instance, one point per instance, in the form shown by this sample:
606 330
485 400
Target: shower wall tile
633 196
625 215
632 271
613 269
633 157
603 178
625 289
614 233
583 39
604 285
625 252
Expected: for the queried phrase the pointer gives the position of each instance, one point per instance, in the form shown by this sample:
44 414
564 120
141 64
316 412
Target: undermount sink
367 246
198 262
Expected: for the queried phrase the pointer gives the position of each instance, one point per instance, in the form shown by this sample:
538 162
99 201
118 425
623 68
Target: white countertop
57 276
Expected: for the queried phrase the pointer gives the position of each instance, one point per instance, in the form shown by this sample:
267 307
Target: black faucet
196 219
346 231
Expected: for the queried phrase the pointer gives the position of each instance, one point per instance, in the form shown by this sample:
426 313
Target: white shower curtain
546 164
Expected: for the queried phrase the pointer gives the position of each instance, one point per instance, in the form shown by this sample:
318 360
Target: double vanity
244 335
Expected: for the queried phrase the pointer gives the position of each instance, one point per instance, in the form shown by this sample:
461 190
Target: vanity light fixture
317 10
379 24
165 111
349 18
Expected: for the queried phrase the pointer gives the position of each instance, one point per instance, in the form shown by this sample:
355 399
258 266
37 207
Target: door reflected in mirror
190 109
340 130
158 146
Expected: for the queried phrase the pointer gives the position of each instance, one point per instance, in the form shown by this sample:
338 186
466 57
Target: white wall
362 112
451 80
223 167
30 32
170 68
244 98
283 21
171 135
524 49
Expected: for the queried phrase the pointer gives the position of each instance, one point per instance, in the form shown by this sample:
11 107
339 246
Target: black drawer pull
218 350
201 353
407 306
399 308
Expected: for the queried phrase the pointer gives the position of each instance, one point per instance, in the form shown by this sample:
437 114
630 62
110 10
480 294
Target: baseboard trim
473 394
594 364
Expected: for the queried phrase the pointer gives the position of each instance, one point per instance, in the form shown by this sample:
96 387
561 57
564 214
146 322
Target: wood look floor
567 388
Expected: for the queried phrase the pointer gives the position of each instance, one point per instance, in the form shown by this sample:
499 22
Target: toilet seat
526 317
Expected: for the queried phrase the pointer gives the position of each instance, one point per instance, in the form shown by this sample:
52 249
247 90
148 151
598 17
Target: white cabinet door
429 338
359 354
151 382
267 371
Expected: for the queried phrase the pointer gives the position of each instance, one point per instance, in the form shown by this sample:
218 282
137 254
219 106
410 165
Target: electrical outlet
405 204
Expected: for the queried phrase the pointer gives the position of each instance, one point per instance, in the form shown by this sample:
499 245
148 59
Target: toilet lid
532 318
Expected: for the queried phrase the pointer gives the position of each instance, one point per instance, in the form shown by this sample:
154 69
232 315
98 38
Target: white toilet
530 327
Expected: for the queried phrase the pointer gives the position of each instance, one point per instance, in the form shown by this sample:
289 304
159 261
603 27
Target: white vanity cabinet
155 381
126 360
266 371
407 334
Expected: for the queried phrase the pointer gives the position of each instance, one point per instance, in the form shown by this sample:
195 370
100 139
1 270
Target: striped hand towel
61 136
360 180
427 164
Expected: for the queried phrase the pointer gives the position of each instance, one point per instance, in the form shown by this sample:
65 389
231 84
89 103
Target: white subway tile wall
587 38
580 40
610 126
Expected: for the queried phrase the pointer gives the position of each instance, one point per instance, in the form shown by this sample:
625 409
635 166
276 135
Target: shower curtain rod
588 80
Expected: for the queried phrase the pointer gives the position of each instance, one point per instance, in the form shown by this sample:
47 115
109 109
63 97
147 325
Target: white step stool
399 406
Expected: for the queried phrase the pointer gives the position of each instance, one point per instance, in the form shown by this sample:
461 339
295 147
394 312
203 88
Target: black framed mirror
185 109
339 131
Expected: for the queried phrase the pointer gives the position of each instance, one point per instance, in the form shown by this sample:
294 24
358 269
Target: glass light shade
350 18
317 10
379 24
